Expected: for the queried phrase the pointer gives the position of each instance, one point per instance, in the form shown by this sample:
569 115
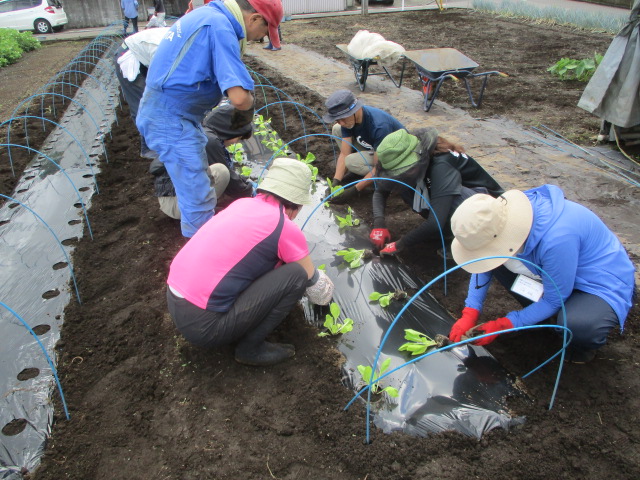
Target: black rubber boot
265 354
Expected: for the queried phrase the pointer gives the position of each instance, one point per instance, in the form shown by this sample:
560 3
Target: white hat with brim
485 227
289 179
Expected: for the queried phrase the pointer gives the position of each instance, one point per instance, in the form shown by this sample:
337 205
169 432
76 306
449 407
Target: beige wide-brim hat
289 179
485 226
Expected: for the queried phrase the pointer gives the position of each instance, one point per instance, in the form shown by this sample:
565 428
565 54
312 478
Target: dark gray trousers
256 312
589 317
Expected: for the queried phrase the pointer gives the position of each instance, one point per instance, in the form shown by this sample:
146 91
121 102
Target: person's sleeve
445 177
478 288
430 228
346 132
292 245
378 205
228 68
560 261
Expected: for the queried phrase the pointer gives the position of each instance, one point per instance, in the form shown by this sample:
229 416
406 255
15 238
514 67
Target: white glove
321 292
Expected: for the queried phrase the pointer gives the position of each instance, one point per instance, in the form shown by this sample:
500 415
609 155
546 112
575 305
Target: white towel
129 65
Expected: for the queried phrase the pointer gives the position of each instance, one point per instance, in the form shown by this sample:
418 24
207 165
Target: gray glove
320 288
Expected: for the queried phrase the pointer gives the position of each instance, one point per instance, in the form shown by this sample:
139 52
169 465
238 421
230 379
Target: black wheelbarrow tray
435 65
361 68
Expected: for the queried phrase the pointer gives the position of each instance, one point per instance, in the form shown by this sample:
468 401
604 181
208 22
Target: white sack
369 45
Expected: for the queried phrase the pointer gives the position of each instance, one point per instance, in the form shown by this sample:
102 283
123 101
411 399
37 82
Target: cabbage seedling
333 324
365 372
418 342
246 171
384 299
237 151
353 256
334 189
347 220
308 160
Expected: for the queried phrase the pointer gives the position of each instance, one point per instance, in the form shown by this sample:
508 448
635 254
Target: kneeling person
246 268
588 264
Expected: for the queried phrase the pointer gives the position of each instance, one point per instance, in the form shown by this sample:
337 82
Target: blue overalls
197 60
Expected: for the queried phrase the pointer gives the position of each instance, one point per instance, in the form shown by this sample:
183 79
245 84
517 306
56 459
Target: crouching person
578 253
246 268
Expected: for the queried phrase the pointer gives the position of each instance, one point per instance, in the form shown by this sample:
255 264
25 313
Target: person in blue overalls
197 62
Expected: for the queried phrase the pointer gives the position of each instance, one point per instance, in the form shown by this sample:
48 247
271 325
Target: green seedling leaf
334 308
246 171
366 373
384 299
322 267
418 342
333 324
352 256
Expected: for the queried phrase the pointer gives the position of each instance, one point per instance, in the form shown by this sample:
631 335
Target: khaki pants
359 162
219 175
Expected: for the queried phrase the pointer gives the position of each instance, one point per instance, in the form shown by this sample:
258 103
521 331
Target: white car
42 16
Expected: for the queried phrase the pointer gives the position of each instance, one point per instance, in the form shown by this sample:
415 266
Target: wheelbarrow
435 65
361 68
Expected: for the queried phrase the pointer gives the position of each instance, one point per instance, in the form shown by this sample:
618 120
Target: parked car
377 2
42 16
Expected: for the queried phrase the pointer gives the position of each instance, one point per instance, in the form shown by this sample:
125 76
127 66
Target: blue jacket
572 245
199 58
130 8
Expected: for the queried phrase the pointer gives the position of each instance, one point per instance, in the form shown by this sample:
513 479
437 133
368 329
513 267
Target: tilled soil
145 404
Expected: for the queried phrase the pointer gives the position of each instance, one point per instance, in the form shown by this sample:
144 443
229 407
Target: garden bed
145 404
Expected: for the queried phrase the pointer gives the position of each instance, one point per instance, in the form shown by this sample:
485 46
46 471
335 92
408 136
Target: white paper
528 288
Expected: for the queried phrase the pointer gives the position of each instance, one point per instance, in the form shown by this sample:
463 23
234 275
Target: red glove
379 237
489 327
390 249
466 322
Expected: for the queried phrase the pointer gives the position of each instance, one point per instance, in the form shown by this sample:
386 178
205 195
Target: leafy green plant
333 189
366 372
270 140
246 171
418 342
384 299
353 256
570 69
14 43
347 220
237 151
322 267
308 160
333 324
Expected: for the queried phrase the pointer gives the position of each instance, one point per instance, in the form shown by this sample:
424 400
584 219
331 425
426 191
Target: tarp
613 93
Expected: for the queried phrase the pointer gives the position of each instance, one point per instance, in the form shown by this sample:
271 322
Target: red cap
272 12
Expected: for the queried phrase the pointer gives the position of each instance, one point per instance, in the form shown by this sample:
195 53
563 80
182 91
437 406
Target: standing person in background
190 7
198 62
130 11
133 59
157 20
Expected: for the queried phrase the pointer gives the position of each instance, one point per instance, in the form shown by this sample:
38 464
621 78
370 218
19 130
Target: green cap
398 150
